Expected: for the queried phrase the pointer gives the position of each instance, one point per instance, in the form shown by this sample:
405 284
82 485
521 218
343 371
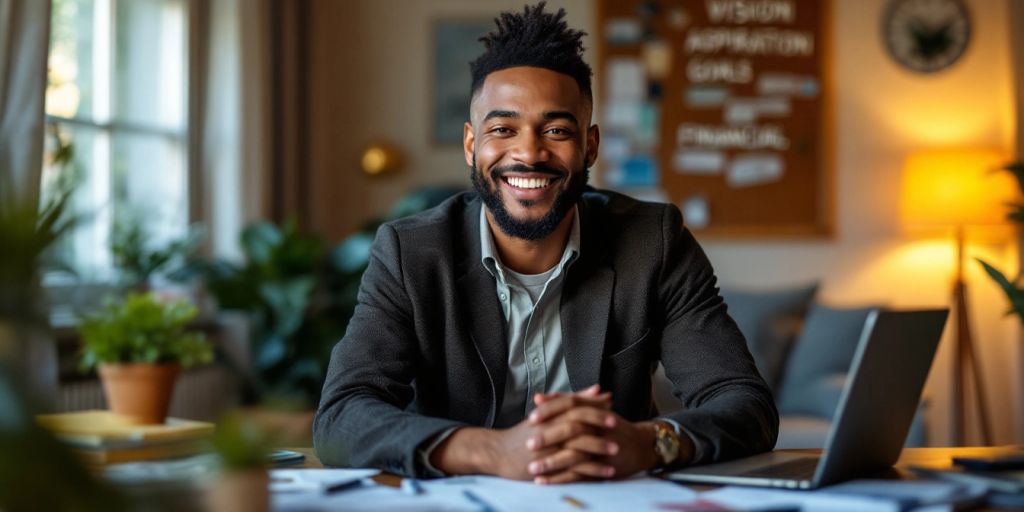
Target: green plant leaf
259 241
1017 169
1014 294
270 351
288 300
143 329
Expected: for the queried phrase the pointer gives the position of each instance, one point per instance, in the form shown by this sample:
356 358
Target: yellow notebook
104 429
167 450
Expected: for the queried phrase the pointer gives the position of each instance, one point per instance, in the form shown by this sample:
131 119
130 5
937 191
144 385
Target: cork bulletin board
720 107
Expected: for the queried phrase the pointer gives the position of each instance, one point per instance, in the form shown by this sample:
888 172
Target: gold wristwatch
666 443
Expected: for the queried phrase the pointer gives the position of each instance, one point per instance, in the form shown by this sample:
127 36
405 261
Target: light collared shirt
536 359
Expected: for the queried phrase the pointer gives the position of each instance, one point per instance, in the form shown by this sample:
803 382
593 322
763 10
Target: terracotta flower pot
140 391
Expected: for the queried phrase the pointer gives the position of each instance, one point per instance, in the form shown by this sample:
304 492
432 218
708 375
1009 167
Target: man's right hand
508 452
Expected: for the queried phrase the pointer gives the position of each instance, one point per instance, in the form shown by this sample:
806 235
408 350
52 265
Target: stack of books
102 437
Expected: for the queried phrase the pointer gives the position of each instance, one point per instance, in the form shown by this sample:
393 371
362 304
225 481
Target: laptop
875 410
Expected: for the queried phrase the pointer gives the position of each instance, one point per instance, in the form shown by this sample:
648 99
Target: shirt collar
489 253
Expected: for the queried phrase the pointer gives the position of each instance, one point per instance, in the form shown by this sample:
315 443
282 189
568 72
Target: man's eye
561 132
500 130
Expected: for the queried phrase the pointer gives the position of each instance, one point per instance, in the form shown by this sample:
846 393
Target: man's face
529 143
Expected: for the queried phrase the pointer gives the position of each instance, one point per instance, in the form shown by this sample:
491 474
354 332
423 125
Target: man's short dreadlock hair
533 38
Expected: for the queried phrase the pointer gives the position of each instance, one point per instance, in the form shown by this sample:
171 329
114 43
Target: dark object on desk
997 482
285 458
877 405
996 463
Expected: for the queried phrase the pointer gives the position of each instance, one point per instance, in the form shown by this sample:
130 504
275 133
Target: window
118 94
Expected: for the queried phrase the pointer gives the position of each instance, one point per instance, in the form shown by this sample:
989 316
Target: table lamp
956 190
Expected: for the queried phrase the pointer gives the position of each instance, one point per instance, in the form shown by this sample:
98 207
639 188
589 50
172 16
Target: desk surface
937 458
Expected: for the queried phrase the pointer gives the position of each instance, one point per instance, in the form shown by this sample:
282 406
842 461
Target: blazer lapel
586 304
480 302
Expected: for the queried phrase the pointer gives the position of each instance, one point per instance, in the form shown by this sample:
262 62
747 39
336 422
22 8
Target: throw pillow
770 321
812 380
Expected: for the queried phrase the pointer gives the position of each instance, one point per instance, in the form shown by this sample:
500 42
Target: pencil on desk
477 500
573 501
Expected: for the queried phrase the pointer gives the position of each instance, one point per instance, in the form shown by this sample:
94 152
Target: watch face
926 35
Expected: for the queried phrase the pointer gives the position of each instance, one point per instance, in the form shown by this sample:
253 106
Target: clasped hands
571 437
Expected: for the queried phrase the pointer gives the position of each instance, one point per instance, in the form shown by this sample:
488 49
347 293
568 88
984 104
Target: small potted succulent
139 345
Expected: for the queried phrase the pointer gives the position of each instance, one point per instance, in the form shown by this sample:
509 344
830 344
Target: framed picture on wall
456 43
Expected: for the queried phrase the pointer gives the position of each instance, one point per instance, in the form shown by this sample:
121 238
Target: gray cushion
770 320
813 376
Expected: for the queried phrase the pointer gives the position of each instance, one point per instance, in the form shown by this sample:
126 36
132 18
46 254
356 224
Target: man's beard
528 229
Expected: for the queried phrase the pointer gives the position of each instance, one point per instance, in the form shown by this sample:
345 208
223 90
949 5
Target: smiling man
514 331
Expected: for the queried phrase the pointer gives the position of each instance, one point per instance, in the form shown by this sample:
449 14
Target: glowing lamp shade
956 188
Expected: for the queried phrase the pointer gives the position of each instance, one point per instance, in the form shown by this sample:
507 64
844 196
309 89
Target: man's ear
467 142
593 141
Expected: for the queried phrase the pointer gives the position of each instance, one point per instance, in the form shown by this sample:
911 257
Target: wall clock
926 35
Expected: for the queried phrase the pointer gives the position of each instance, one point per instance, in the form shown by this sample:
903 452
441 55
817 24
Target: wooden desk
936 458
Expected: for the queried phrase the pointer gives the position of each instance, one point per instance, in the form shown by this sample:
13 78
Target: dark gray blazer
426 349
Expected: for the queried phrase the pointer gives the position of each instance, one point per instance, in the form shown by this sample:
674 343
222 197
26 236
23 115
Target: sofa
803 349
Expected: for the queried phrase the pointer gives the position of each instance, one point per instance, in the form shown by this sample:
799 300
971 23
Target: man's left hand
619 450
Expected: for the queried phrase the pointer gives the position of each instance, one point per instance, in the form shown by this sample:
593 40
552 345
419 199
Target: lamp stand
965 361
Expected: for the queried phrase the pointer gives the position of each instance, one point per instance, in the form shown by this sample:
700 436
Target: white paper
754 169
749 110
855 495
626 79
370 498
314 480
507 495
614 148
705 96
696 213
623 30
787 84
623 114
742 498
698 161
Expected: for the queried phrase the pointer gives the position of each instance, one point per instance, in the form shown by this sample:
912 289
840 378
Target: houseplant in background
299 297
32 459
138 259
139 345
1013 288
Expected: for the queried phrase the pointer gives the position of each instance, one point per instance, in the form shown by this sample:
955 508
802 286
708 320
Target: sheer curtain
24 34
24 37
231 136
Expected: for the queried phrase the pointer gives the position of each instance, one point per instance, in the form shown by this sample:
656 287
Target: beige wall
371 80
371 64
881 113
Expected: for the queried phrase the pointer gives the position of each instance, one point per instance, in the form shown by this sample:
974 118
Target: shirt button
502 296
536 360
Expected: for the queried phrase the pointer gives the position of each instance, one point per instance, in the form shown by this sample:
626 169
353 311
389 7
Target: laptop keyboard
796 469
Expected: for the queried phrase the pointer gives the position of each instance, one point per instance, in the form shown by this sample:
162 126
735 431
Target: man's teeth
527 182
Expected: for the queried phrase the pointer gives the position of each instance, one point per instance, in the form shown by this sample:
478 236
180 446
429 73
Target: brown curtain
288 185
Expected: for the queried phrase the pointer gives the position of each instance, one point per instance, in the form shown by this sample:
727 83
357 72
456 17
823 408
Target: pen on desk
573 501
412 486
343 486
477 500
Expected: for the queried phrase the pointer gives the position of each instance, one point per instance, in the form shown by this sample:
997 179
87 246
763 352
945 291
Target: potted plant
299 296
139 345
243 447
